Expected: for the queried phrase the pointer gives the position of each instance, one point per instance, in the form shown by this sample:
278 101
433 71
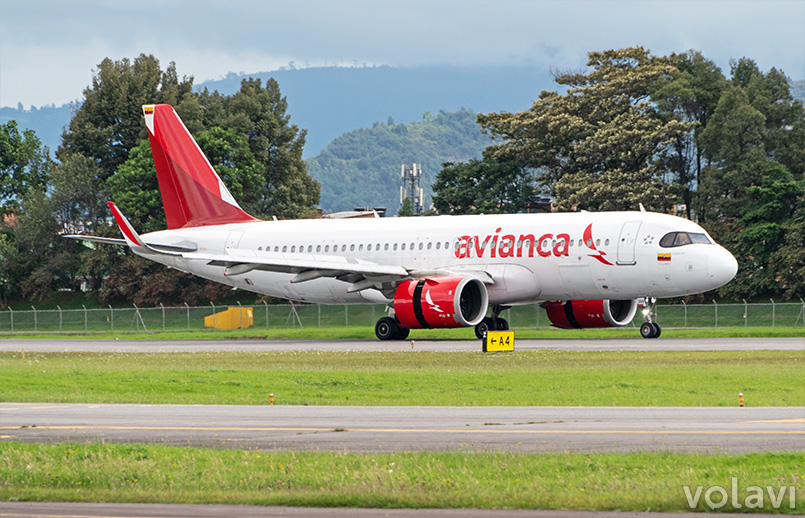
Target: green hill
362 167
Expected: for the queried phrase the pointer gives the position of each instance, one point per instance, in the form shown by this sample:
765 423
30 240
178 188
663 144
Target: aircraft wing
238 262
362 274
123 242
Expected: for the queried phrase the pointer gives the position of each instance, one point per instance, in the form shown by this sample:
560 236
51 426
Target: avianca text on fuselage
509 245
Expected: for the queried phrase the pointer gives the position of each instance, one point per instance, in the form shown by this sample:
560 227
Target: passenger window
260 248
438 245
318 248
421 245
309 248
343 248
369 248
277 248
429 245
403 247
360 248
352 248
284 248
326 248
386 246
606 243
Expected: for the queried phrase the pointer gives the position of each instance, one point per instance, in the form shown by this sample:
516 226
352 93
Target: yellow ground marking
29 407
777 421
407 430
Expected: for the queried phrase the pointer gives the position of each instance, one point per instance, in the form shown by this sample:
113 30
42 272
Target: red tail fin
192 193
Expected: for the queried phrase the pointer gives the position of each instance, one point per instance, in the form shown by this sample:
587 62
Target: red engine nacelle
450 301
579 314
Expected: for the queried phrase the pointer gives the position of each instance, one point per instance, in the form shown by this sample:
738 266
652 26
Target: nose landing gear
650 329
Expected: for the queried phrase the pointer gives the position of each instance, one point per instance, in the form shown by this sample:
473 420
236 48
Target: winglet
133 239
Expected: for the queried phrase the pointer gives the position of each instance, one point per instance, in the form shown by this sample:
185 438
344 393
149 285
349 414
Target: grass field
409 377
368 333
279 317
630 482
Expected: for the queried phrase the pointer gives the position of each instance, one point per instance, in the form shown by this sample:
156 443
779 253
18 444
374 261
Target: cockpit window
673 239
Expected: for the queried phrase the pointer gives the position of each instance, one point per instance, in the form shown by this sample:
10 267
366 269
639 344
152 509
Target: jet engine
579 314
448 301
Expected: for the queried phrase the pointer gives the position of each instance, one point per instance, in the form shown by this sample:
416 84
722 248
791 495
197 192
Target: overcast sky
48 49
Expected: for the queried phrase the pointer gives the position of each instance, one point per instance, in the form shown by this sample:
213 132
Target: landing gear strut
493 323
650 329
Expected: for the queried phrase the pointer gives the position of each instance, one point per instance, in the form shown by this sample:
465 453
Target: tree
259 115
603 145
690 94
24 164
406 208
108 123
769 245
483 186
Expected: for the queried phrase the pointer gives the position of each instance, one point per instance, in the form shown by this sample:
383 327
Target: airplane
588 270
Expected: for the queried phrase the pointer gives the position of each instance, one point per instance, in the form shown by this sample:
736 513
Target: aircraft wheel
657 329
402 333
487 324
501 324
647 330
386 328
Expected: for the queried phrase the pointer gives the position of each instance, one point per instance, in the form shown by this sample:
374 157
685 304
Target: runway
57 344
388 429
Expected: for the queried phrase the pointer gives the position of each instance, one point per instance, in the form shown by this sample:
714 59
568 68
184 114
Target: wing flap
289 263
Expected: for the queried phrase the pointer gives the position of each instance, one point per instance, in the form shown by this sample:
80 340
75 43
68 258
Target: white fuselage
574 256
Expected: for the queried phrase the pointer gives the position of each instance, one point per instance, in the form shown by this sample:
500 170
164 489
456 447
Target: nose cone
721 267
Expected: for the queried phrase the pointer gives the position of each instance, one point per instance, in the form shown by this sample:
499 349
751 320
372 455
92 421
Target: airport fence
286 316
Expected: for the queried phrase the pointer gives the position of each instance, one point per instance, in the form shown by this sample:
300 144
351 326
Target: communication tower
410 187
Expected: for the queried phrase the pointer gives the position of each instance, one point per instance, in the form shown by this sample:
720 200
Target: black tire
501 324
487 324
386 328
657 330
402 333
647 330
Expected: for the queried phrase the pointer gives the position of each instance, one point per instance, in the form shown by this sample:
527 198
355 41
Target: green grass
627 482
367 333
409 377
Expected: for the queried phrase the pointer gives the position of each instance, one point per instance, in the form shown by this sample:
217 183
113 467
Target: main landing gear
493 323
650 329
388 328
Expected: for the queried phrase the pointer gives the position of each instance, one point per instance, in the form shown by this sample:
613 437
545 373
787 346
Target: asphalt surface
387 429
214 345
